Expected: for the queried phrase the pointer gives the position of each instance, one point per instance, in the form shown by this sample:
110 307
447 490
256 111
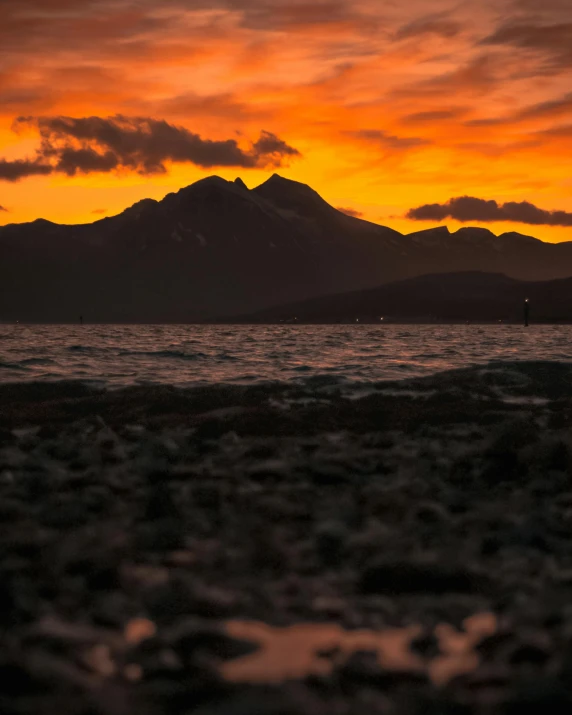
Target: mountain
470 295
218 248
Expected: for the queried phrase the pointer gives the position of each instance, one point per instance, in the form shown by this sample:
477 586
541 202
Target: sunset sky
383 106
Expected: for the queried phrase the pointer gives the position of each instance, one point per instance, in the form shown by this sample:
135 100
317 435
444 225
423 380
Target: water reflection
201 354
304 649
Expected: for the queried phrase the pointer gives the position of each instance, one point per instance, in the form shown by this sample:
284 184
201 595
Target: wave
84 349
510 382
178 354
37 361
12 366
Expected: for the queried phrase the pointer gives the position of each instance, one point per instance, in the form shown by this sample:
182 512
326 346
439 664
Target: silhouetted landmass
216 248
470 295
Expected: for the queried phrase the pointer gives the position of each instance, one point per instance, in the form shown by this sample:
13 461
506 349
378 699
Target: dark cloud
273 148
2 208
350 212
497 149
552 42
86 161
438 115
22 168
389 141
440 25
559 132
95 144
477 76
487 122
541 110
21 96
553 108
289 15
221 105
100 28
44 25
468 208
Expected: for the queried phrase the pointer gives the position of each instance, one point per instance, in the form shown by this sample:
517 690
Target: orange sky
390 105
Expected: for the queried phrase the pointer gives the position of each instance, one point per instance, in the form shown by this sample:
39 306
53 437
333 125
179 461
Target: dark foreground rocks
141 530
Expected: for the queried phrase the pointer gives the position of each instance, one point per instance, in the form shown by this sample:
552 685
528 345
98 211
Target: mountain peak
213 180
436 232
292 195
514 235
280 181
471 232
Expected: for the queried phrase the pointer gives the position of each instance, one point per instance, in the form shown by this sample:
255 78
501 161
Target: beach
160 541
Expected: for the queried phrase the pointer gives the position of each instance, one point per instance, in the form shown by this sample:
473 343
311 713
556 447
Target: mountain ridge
272 181
216 247
473 296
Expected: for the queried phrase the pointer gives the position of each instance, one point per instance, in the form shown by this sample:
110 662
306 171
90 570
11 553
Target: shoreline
149 526
363 321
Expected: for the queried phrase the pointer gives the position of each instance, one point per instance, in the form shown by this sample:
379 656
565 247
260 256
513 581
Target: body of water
186 355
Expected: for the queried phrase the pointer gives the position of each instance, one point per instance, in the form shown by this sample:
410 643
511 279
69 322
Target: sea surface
190 355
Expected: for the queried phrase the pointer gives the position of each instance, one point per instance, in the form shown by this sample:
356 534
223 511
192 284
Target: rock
404 578
331 539
538 697
191 638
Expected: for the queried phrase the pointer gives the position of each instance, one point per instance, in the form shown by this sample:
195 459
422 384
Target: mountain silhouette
217 248
468 295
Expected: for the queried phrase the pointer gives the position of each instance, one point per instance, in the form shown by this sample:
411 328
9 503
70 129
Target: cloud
22 168
560 106
440 25
2 208
273 148
94 144
389 141
558 132
479 75
437 115
553 42
468 208
99 211
288 15
350 212
552 108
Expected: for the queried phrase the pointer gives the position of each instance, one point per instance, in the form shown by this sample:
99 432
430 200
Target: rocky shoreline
142 526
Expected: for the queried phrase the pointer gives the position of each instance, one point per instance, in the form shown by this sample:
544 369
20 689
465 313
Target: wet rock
362 668
529 652
408 578
160 504
431 513
331 539
208 496
329 474
191 638
64 513
260 701
540 696
160 535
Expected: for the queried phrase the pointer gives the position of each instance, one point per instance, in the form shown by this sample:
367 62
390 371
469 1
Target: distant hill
472 296
217 248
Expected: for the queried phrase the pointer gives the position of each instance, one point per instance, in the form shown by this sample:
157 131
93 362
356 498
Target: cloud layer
468 208
387 101
94 144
